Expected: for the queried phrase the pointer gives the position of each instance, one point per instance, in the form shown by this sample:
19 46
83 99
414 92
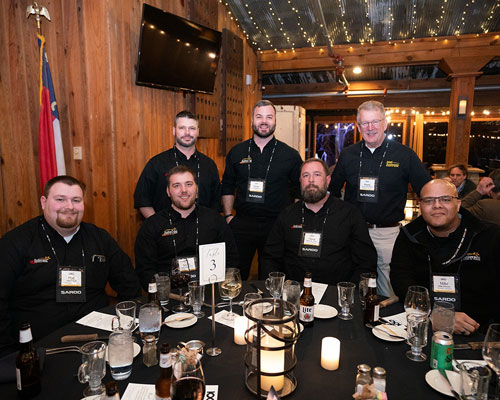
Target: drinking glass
274 283
150 321
120 354
417 325
230 288
188 381
125 316
443 317
291 292
256 309
179 281
196 297
93 367
163 287
474 381
491 353
417 300
346 298
363 286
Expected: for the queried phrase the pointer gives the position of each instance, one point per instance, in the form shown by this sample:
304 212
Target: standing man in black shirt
376 172
171 236
150 193
260 179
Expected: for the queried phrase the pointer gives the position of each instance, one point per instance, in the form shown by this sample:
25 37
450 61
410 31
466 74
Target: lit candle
330 353
240 326
272 361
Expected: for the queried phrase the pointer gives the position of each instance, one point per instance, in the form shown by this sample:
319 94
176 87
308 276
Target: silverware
453 392
390 322
387 331
65 349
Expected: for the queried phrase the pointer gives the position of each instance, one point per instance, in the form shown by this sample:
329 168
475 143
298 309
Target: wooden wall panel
92 50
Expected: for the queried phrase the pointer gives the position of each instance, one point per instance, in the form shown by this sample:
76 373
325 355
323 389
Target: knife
83 338
469 346
389 301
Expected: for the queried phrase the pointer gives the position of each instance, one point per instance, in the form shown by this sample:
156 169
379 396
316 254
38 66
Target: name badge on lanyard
310 244
368 189
446 287
186 265
70 287
256 190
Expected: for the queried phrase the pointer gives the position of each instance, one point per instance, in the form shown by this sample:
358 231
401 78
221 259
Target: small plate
137 350
438 382
381 334
324 311
172 320
267 307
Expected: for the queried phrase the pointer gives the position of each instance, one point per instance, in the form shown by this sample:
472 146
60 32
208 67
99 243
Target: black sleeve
215 189
274 251
229 178
146 254
402 274
338 177
294 176
418 174
145 188
363 252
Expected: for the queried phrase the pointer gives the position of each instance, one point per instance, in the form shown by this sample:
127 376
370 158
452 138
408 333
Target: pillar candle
272 361
330 353
240 326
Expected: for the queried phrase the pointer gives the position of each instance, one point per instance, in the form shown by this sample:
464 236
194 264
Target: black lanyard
361 158
54 250
324 220
270 160
173 236
197 164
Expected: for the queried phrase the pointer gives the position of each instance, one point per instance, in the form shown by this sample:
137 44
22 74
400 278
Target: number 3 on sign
212 263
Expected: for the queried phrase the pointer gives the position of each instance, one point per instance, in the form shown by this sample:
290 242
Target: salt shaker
363 377
149 351
379 379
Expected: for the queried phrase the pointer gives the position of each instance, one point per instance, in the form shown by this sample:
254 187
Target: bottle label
306 313
375 313
25 336
372 282
152 287
165 360
18 379
307 282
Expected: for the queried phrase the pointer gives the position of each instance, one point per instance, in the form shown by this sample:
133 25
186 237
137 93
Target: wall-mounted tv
175 53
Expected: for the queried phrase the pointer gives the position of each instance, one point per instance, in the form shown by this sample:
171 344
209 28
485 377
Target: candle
330 353
272 361
240 326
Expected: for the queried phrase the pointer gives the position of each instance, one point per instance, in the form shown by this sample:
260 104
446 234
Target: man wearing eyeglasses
452 253
376 172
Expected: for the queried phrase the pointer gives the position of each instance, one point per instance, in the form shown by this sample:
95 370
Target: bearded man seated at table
169 239
452 253
320 234
55 267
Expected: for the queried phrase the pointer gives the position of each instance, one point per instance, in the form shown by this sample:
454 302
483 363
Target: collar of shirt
269 145
183 157
176 215
367 150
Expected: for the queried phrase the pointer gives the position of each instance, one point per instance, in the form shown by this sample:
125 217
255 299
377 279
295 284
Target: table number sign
212 263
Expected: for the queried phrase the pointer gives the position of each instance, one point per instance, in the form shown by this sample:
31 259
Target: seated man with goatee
320 234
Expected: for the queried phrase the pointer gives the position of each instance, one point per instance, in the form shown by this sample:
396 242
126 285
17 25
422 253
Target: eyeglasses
429 201
375 123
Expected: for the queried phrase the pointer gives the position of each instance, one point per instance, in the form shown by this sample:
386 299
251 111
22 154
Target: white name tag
312 239
367 184
257 186
71 278
444 283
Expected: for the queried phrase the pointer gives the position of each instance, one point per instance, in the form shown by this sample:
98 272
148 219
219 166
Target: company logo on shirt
392 164
472 257
170 232
40 260
246 160
296 226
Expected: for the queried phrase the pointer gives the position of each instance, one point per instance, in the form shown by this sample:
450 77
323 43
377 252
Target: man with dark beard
169 239
261 177
55 267
321 234
150 192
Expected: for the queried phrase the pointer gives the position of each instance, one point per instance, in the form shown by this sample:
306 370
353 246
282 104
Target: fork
57 350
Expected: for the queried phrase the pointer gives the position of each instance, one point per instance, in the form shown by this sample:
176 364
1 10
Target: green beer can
442 350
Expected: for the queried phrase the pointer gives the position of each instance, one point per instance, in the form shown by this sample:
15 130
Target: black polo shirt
151 189
282 183
400 166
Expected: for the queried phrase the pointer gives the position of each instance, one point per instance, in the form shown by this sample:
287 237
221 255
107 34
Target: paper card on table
212 263
397 319
318 290
220 317
138 391
211 392
97 320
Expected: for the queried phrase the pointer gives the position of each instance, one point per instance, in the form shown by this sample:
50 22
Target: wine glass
179 280
417 327
417 301
230 288
188 380
491 352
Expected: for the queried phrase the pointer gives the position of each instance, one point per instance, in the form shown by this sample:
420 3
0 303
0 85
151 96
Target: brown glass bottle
162 385
306 310
27 365
153 292
371 303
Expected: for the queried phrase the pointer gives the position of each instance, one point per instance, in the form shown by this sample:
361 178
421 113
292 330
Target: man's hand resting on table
464 325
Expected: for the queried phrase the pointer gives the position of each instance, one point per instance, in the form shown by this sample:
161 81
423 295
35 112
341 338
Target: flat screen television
175 53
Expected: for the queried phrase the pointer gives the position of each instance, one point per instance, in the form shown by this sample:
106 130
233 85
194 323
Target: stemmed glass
417 301
188 380
230 288
274 283
418 324
345 298
179 281
491 352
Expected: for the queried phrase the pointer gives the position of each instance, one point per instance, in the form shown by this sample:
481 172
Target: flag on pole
50 149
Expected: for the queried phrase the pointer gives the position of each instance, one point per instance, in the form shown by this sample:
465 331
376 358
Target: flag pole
38 11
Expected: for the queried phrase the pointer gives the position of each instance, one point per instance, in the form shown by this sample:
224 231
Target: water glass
125 316
474 381
150 321
291 292
120 354
443 317
417 326
274 283
363 286
346 298
93 367
196 298
163 287
255 310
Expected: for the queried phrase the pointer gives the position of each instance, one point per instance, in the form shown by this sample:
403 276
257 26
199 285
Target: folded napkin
97 320
393 330
318 290
220 317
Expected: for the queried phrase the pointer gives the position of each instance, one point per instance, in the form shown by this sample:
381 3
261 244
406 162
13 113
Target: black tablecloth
405 378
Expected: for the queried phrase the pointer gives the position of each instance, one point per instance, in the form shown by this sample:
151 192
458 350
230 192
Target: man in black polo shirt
150 193
261 178
376 172
172 235
321 234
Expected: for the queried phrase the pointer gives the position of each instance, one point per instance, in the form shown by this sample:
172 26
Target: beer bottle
112 391
306 311
371 302
153 292
162 386
27 365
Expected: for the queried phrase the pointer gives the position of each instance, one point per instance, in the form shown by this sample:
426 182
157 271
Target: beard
264 125
67 220
185 141
313 196
183 206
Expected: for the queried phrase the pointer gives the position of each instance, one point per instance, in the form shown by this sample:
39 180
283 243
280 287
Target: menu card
139 391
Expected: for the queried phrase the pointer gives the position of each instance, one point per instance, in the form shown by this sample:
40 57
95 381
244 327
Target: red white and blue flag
50 149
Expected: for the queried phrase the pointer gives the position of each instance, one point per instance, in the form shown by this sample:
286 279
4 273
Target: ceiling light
357 70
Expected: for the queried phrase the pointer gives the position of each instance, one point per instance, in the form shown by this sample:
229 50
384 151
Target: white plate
137 350
171 320
324 311
438 382
381 334
468 363
267 307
